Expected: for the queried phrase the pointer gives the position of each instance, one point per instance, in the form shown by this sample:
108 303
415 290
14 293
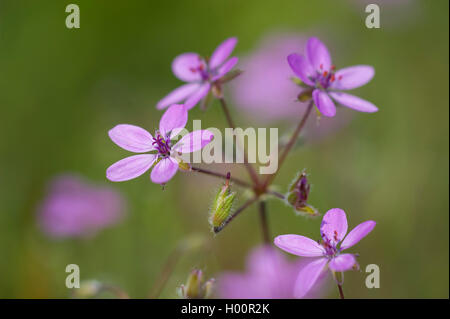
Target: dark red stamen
162 145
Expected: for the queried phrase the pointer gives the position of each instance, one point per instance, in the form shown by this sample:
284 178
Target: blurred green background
61 90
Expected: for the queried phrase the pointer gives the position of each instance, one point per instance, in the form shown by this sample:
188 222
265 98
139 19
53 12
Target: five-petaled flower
200 74
165 153
316 71
332 230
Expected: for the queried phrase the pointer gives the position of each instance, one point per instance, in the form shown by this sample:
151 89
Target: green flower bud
297 196
305 95
183 165
221 207
195 288
338 277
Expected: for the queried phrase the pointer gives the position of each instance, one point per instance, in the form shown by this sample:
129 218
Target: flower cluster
269 275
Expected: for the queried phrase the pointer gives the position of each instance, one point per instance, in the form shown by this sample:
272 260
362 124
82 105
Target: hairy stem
290 144
264 223
276 194
237 212
341 292
220 175
165 273
248 166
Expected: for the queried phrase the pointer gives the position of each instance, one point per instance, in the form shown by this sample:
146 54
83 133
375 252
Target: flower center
202 69
324 78
162 144
330 245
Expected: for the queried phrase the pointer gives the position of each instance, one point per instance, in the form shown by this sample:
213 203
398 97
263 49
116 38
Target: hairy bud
221 207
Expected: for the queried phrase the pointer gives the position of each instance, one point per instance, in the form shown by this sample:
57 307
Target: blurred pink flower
264 89
269 276
75 208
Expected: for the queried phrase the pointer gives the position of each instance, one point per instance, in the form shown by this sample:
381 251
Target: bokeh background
61 90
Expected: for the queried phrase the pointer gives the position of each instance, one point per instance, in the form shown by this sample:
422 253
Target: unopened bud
217 90
195 288
338 277
298 194
221 207
183 165
305 95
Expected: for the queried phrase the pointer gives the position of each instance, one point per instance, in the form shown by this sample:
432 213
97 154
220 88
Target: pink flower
333 230
266 99
75 208
200 74
135 139
315 70
269 276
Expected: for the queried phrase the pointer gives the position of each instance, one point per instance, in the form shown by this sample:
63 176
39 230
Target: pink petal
299 245
222 52
197 96
352 77
318 55
225 68
301 67
308 276
173 120
131 138
353 102
178 95
324 103
164 170
130 167
358 233
342 262
334 225
194 141
186 67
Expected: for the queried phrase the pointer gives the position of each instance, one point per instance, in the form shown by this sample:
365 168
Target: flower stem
220 175
264 223
249 167
341 292
237 212
276 194
166 271
290 144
